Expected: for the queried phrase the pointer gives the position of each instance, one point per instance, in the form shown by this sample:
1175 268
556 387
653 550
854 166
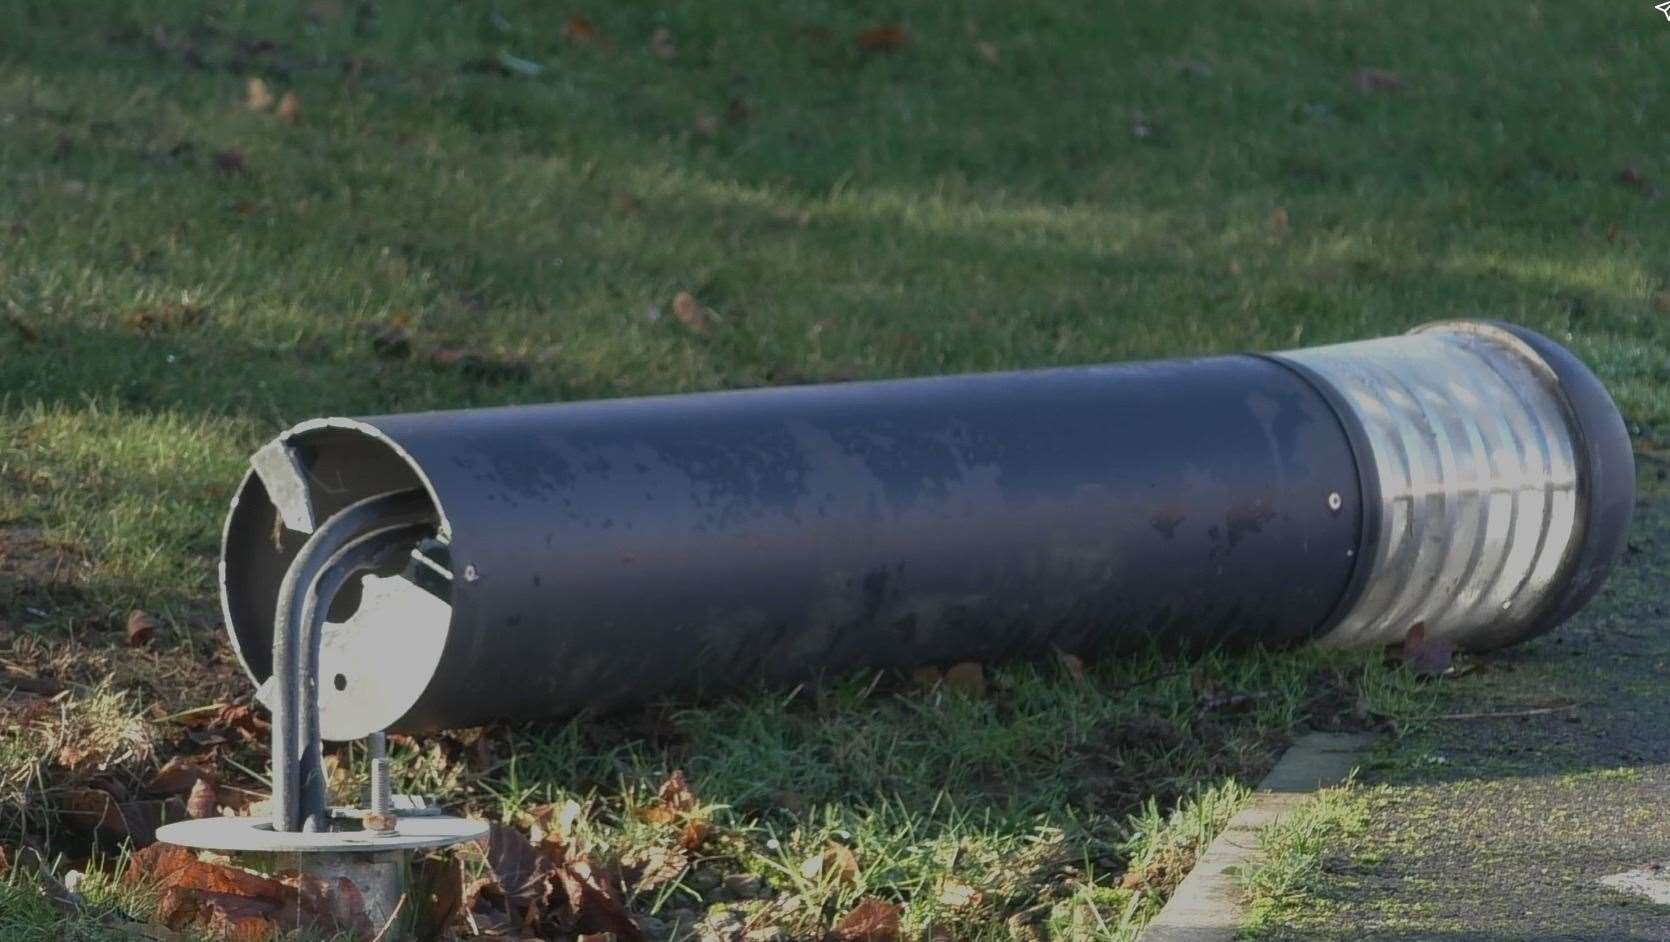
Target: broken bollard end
1472 477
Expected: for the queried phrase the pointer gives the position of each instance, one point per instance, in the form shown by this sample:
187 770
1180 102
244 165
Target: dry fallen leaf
695 834
1637 181
24 331
142 627
438 895
1377 80
591 902
178 776
988 51
1661 302
1214 697
479 366
673 801
967 679
1279 222
872 920
706 125
675 793
882 39
390 341
661 43
228 903
1425 656
324 11
957 895
655 867
691 313
583 32
517 869
204 801
837 862
257 97
94 809
289 108
1074 666
230 162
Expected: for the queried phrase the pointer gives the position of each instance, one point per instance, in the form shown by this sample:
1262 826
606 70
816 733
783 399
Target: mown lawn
518 192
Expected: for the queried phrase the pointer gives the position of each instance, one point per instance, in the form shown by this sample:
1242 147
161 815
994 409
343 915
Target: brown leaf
872 920
1637 181
230 162
882 39
324 11
988 51
178 776
1661 302
691 313
1279 223
516 868
1425 656
479 366
91 808
257 97
661 43
582 32
228 903
166 866
655 867
204 801
437 895
967 679
390 341
1377 80
927 677
141 628
24 331
592 904
1216 698
695 834
290 108
675 793
706 125
1074 666
241 718
218 915
837 862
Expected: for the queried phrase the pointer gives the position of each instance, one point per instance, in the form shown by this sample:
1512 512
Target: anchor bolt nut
380 822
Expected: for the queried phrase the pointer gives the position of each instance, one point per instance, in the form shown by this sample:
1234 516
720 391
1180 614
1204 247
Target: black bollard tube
1474 478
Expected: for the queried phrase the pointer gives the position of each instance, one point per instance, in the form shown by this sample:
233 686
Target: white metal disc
374 666
256 835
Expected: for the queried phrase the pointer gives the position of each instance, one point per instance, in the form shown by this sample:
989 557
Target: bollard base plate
256 835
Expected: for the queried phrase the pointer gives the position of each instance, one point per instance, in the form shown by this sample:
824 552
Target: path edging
1207 905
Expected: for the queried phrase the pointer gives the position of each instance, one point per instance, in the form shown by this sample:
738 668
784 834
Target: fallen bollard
1472 477
416 572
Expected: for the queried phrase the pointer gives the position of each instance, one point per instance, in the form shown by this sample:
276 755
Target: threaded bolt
381 815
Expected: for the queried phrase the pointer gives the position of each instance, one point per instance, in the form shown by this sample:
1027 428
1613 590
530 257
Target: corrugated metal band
1474 455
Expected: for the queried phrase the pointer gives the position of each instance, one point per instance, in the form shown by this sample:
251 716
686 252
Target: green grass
1293 850
1017 185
